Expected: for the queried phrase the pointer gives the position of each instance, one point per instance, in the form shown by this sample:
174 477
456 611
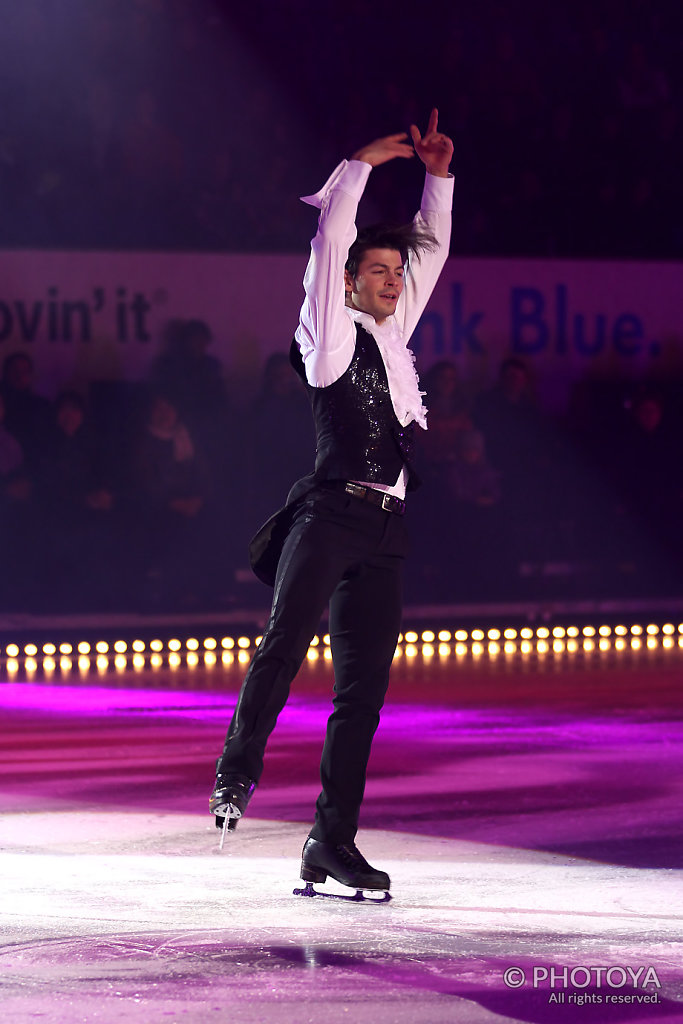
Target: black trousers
347 552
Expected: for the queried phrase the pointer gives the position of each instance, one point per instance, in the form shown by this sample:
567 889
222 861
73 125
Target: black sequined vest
358 436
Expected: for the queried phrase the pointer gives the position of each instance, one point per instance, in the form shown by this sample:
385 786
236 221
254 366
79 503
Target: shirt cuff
437 194
350 176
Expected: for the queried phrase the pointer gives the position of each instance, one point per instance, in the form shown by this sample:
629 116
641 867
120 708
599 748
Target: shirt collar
388 328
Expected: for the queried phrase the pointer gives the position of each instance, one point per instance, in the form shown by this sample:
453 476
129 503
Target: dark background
168 125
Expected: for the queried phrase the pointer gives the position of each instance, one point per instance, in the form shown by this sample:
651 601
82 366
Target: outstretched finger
433 121
398 137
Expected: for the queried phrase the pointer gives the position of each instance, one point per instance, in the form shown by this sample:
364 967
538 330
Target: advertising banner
101 315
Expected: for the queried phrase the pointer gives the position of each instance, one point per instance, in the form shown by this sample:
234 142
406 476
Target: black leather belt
389 502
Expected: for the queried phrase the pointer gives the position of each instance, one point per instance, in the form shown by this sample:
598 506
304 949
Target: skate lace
352 856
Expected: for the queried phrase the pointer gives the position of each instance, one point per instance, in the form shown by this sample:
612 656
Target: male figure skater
341 538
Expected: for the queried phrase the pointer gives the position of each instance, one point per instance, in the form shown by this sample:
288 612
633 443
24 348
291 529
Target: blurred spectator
75 502
15 486
15 520
646 464
11 454
28 416
193 380
72 479
460 528
172 484
447 416
511 422
476 547
171 473
471 478
648 482
282 436
522 445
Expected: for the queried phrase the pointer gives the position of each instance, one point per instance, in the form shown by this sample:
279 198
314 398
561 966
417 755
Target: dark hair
404 238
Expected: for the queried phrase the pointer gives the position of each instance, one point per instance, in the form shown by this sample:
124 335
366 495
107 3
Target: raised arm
435 150
325 333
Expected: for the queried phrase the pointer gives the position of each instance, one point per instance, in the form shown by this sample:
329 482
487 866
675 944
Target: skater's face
377 284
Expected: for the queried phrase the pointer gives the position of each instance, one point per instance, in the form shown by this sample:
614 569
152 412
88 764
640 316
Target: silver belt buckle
386 502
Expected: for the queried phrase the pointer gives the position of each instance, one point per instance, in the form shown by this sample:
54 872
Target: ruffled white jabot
399 363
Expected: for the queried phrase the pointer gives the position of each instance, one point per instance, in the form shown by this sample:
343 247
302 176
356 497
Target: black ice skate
347 865
229 800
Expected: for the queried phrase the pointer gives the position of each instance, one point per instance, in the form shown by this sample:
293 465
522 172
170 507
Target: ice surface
521 828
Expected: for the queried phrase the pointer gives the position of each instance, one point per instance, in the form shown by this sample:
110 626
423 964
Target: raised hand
384 149
434 149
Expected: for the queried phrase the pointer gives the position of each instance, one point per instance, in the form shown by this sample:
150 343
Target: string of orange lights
228 650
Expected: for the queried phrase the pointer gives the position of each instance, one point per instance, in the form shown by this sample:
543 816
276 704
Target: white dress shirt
326 334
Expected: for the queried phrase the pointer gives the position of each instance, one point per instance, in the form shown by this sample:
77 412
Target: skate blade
229 823
358 897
